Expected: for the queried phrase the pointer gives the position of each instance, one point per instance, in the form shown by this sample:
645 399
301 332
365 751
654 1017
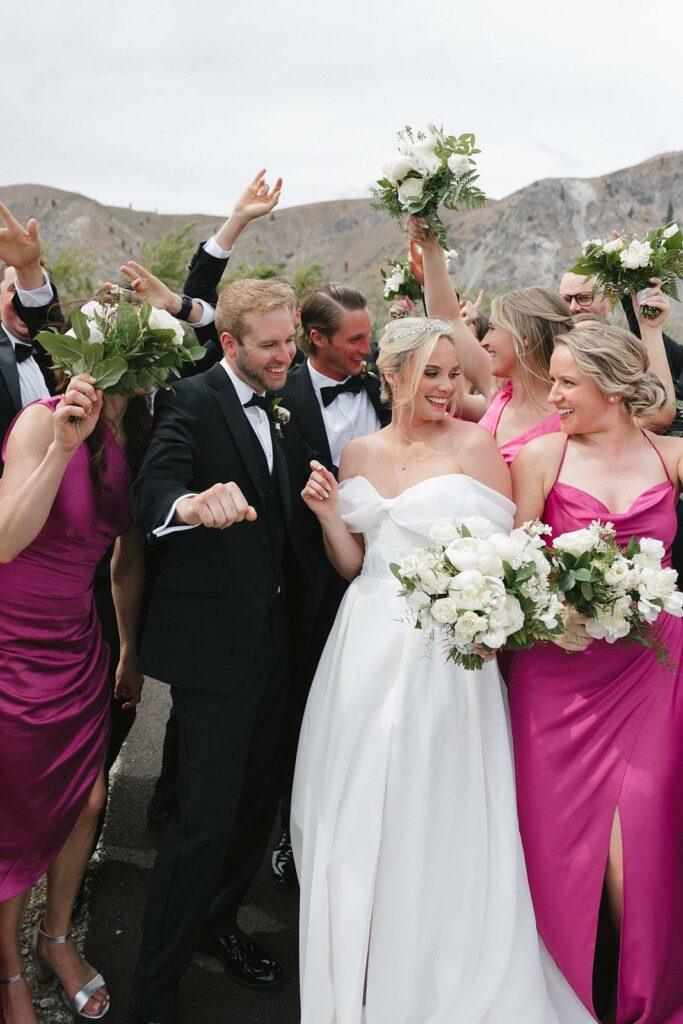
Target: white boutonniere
279 416
368 370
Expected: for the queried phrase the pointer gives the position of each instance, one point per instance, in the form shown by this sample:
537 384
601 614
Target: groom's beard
254 376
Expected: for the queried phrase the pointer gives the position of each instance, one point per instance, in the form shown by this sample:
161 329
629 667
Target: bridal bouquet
626 263
124 346
622 591
398 280
431 170
481 590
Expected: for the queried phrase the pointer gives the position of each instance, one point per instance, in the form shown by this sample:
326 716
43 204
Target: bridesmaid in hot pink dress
56 524
598 735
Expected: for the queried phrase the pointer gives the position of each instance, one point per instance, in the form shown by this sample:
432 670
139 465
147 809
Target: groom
221 484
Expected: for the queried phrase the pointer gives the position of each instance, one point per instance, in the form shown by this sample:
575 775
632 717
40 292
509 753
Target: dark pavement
127 853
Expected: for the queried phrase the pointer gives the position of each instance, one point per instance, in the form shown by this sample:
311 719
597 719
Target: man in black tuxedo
334 396
220 482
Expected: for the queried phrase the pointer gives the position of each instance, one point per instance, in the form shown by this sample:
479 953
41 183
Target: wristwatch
186 307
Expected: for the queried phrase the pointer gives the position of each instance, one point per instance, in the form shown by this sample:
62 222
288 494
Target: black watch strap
186 307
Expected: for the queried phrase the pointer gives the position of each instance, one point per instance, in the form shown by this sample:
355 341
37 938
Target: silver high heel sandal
44 973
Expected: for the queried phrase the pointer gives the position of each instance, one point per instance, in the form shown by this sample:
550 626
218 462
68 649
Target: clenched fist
219 507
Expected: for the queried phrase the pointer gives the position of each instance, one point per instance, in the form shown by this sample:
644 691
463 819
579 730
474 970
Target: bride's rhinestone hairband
422 327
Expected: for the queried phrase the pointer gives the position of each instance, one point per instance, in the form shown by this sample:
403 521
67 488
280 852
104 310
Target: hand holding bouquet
399 281
124 346
627 264
620 591
481 590
431 170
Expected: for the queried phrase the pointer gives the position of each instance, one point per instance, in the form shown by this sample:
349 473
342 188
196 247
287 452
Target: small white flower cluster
479 587
396 279
621 591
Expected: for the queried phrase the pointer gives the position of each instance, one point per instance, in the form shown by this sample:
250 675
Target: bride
415 907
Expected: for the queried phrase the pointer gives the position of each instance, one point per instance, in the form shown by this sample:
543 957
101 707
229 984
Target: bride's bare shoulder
357 454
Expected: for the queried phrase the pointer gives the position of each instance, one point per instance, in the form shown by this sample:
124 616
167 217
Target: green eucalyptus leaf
64 347
80 326
109 372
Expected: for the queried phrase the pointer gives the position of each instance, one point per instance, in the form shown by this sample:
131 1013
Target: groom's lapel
8 369
238 425
308 413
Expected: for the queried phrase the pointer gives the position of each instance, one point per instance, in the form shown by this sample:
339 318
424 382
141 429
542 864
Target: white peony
410 192
656 584
616 245
458 164
479 526
576 542
473 553
162 319
510 548
651 553
648 610
671 230
673 604
433 580
398 169
470 589
607 627
638 254
514 613
444 533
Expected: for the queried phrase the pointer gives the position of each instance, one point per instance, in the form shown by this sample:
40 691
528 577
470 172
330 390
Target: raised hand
469 311
654 298
19 246
415 262
77 413
148 288
257 199
403 305
216 508
321 493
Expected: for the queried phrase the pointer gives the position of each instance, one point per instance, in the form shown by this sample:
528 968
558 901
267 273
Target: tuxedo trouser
230 754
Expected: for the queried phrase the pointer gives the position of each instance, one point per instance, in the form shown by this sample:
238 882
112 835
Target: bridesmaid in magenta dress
58 516
598 734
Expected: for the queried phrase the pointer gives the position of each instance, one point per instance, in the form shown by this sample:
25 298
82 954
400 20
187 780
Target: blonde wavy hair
240 298
534 317
618 363
405 349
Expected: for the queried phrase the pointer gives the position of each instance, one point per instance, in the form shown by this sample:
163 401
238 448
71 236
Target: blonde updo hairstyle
406 352
534 317
618 363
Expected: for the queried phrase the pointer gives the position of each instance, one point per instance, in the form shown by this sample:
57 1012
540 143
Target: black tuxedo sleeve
38 318
205 273
167 471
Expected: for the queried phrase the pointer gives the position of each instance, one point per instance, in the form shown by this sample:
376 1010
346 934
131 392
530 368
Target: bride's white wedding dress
415 907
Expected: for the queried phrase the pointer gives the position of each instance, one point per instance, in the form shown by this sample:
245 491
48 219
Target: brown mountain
528 237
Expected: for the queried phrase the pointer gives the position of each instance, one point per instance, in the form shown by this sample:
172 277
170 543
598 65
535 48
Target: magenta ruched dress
491 418
594 733
54 688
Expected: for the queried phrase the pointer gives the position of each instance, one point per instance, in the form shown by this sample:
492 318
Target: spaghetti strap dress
54 689
596 733
491 418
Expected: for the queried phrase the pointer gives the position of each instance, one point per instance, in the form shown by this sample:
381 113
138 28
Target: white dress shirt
259 420
348 416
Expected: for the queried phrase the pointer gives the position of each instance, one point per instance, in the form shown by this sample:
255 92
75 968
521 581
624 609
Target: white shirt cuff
208 316
164 529
37 296
213 248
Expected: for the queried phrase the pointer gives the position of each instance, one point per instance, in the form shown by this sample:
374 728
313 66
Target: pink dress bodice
491 418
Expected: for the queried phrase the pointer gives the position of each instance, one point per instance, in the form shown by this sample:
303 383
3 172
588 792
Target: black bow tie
261 401
23 350
354 385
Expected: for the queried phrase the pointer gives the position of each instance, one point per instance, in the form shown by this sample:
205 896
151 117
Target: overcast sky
174 104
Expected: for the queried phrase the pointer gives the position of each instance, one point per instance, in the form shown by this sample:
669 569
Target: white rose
637 255
616 245
510 549
470 589
673 604
445 610
410 192
458 164
478 526
607 627
576 542
468 626
433 581
670 231
426 164
409 565
162 319
444 533
398 169
473 553
514 613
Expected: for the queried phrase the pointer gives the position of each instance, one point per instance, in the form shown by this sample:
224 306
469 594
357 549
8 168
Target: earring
611 398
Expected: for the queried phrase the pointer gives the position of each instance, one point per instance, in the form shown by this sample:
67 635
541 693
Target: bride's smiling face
438 389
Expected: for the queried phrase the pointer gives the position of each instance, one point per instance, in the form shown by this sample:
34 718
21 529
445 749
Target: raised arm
39 450
442 301
653 339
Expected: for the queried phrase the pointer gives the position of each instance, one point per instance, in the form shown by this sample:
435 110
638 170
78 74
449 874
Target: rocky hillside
526 238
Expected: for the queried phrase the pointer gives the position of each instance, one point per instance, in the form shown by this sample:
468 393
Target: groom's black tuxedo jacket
208 625
10 392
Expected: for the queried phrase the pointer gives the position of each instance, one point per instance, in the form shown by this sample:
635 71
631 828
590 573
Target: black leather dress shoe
245 962
283 871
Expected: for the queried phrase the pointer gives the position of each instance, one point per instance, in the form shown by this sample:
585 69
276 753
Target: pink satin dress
491 418
54 689
596 733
